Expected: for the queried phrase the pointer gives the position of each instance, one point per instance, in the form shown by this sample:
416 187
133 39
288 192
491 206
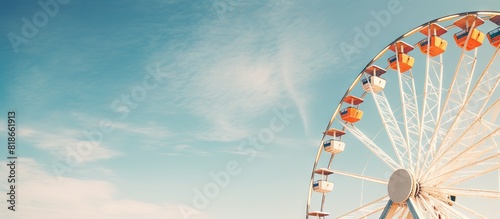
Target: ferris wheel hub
401 186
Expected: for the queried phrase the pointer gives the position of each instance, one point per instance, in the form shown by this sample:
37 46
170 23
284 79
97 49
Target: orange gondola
468 24
475 40
494 37
405 62
351 114
436 47
402 59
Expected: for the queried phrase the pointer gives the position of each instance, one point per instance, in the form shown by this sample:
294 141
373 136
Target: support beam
414 209
389 210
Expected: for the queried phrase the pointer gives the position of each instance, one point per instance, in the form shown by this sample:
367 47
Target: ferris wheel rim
360 75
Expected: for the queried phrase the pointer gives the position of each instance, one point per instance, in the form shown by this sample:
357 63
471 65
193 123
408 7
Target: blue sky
148 100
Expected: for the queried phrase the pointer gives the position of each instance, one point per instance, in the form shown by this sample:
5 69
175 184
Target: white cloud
91 171
249 153
43 196
148 130
184 149
170 154
181 147
63 142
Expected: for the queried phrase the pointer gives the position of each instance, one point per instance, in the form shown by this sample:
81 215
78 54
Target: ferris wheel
416 134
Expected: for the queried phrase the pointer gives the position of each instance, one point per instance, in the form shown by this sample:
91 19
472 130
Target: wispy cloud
225 74
151 131
170 154
46 196
184 149
229 73
57 143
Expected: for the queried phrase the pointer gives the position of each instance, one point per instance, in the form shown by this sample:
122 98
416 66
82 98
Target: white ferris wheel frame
416 142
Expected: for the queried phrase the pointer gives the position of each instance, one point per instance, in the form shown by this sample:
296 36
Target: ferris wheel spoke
464 192
472 148
391 126
474 103
368 209
431 104
371 146
409 105
405 214
399 211
408 214
361 177
466 173
454 99
465 170
460 130
445 208
474 151
426 205
469 210
456 95
471 175
470 136
436 208
446 175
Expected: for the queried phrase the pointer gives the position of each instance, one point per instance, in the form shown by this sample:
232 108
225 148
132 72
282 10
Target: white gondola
377 84
334 146
323 186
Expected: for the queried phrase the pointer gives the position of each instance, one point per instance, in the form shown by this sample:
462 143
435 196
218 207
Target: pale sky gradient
136 105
